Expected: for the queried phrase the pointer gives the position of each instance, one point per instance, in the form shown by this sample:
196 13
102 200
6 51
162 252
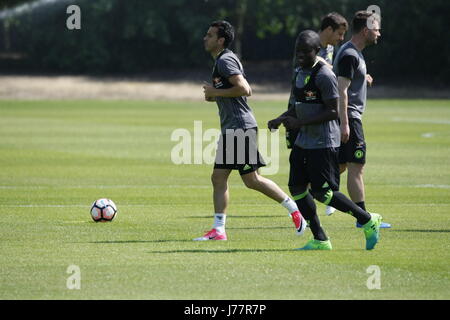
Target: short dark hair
360 20
224 30
333 20
309 39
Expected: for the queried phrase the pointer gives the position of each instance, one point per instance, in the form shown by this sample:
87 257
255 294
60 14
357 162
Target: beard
371 42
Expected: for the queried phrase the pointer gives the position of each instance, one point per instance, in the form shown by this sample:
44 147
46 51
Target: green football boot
317 245
372 230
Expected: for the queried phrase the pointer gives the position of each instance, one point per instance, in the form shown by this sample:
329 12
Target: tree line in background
138 36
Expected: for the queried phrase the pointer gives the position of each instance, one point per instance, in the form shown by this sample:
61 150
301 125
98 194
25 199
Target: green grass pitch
58 157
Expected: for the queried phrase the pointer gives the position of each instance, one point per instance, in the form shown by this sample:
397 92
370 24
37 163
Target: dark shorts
239 151
319 167
355 148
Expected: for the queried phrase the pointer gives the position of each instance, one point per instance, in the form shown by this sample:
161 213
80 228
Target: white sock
290 205
219 222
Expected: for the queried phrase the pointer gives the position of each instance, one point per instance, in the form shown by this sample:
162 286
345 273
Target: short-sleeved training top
350 63
234 112
313 87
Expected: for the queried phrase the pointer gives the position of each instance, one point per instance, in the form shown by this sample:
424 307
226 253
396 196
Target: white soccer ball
103 210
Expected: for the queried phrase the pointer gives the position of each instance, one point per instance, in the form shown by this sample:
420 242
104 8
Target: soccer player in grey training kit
333 27
314 156
350 68
237 147
332 31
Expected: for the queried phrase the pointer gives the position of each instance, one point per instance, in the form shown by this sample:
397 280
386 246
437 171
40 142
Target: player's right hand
369 80
274 124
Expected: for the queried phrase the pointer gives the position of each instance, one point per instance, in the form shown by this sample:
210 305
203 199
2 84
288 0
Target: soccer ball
103 210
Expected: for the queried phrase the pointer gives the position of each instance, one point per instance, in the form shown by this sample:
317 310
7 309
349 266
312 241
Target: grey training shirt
322 135
350 63
326 53
234 113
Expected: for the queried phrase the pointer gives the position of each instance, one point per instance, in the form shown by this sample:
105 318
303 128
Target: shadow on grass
256 228
424 230
207 250
238 217
223 251
138 241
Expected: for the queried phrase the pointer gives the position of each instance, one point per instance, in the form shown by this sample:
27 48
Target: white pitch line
113 187
122 205
194 205
433 121
434 186
439 186
60 205
428 135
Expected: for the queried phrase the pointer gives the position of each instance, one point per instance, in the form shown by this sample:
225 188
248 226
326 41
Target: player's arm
327 84
329 113
346 70
343 85
240 88
275 123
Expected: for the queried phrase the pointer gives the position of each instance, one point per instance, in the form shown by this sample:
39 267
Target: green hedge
137 36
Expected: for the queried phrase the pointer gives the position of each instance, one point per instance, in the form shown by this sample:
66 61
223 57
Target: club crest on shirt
217 82
310 95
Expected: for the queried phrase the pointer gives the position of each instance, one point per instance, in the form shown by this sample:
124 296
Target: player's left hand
208 90
291 123
369 80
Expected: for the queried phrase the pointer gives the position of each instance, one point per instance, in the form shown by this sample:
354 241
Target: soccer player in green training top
237 148
314 156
